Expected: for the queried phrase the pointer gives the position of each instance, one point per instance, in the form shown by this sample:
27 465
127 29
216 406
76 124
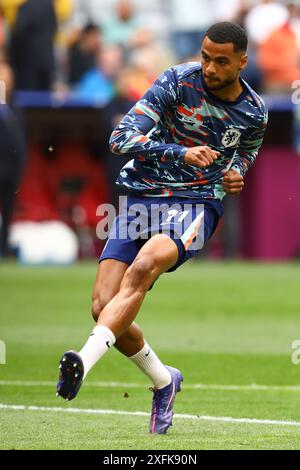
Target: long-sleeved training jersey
178 112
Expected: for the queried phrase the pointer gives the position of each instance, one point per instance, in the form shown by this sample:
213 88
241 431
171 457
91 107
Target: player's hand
201 156
233 182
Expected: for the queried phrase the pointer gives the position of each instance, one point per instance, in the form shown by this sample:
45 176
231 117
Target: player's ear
243 62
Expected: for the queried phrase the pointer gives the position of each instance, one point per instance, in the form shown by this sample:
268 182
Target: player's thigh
156 256
108 280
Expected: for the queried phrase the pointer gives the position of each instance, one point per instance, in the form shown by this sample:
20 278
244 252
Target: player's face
221 65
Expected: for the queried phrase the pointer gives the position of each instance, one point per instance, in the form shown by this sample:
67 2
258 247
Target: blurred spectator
101 12
9 9
279 57
12 154
31 46
83 53
142 37
121 27
189 21
143 68
98 85
263 19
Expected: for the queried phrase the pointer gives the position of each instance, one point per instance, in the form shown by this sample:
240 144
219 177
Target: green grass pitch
228 327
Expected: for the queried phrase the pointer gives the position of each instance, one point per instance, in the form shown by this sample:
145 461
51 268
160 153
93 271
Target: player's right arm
133 133
201 156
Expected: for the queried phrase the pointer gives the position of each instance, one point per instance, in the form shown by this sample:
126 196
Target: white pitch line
224 419
187 386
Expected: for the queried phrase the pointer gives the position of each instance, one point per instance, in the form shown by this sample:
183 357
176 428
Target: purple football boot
162 404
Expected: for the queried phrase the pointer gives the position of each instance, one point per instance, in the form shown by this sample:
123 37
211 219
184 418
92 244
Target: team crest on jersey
231 138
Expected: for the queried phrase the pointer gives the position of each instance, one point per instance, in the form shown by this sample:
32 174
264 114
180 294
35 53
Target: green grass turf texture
220 323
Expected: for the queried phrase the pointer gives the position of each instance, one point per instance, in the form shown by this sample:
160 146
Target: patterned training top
178 112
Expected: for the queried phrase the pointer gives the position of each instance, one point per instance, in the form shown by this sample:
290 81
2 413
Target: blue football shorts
190 222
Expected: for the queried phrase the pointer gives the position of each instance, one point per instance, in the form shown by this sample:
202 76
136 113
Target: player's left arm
233 180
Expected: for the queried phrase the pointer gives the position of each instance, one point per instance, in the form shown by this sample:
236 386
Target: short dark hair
90 28
224 32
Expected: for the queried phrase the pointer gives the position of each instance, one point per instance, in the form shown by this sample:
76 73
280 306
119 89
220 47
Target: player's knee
142 270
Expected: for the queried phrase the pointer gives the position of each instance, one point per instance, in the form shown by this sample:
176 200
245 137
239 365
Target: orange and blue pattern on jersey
176 113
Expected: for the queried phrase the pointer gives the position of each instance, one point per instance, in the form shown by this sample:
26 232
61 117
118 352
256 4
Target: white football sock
101 339
148 362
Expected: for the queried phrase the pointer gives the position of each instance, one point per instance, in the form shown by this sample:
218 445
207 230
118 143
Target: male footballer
192 137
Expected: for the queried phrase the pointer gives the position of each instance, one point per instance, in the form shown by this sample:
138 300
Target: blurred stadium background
72 68
69 69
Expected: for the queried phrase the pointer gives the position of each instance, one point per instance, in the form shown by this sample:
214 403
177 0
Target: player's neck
230 93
